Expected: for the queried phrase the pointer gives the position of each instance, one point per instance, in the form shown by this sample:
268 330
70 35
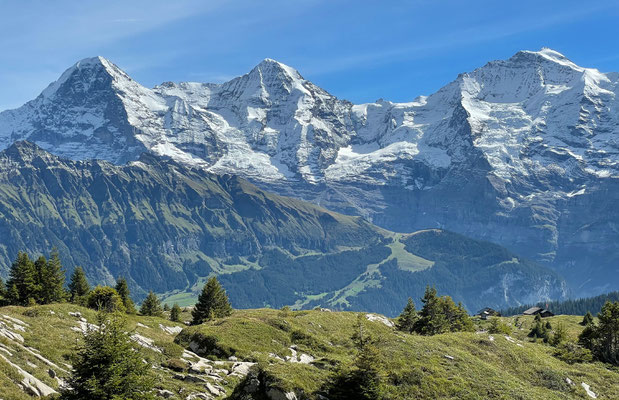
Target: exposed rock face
148 220
162 225
522 152
29 383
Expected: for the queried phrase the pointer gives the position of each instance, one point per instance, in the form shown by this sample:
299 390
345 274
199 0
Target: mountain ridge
518 151
166 227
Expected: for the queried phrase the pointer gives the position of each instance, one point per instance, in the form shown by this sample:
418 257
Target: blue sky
358 50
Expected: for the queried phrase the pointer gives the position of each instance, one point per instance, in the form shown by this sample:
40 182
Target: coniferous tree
539 331
12 294
175 313
440 315
212 303
365 378
588 337
107 365
78 287
431 320
22 281
607 347
151 306
166 307
587 319
408 317
39 273
3 294
52 278
122 288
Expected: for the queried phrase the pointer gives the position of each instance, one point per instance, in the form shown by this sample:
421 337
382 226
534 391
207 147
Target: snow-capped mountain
523 152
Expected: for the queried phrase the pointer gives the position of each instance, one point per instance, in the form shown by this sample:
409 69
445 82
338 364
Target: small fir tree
212 303
78 286
151 306
408 317
107 366
175 313
539 331
166 307
122 288
587 319
365 378
559 335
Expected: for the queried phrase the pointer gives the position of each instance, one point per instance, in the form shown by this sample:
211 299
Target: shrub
572 353
175 364
498 326
105 298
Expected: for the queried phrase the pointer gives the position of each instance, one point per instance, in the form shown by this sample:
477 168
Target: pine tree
122 288
78 287
166 307
587 319
431 319
365 380
440 315
3 294
151 306
12 294
107 365
539 331
52 278
607 348
212 303
175 313
408 317
40 265
22 281
105 298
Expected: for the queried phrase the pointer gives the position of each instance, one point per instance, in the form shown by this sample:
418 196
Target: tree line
568 307
42 281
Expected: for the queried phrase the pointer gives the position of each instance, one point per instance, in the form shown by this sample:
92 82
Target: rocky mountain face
166 226
521 152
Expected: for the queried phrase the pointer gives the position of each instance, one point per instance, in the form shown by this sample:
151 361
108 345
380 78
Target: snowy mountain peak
268 66
548 54
86 73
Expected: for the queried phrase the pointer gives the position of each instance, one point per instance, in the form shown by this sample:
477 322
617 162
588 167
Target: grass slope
479 366
483 366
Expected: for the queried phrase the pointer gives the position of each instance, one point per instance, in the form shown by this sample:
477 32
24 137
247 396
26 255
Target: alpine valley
521 152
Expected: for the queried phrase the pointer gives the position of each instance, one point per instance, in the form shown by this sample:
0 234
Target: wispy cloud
470 36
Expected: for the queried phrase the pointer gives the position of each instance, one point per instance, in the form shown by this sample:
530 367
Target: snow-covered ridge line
272 124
